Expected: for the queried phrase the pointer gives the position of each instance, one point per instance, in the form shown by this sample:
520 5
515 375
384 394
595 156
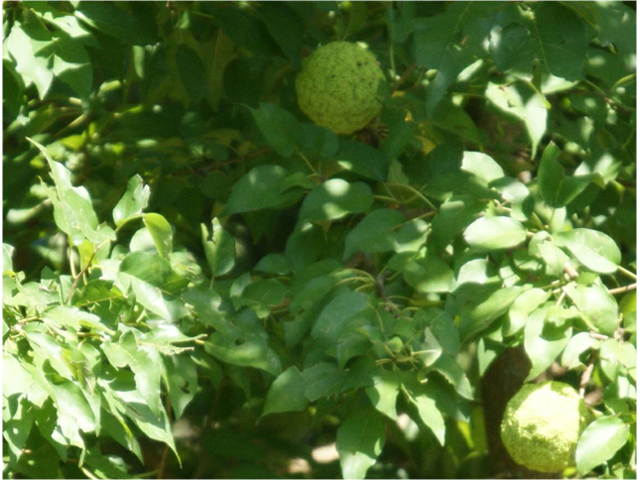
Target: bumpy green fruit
338 87
542 424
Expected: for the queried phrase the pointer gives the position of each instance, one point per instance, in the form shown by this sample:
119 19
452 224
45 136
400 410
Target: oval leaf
493 233
334 199
599 442
595 250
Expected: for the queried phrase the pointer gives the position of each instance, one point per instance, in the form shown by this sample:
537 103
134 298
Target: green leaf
7 254
262 295
181 378
72 317
34 68
494 233
15 379
443 328
549 34
317 143
597 306
17 423
46 349
363 159
330 321
579 343
556 189
543 347
275 263
375 233
384 393
455 119
335 199
145 363
428 274
514 192
522 307
133 202
438 46
454 374
154 283
220 249
191 70
359 442
71 64
554 258
428 350
521 103
600 441
161 233
286 28
476 318
119 23
73 211
74 412
243 28
412 236
279 128
482 166
453 217
286 394
429 413
245 349
122 396
322 380
101 465
595 250
261 188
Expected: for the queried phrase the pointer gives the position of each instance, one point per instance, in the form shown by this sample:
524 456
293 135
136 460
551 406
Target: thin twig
404 76
628 288
570 271
586 375
598 336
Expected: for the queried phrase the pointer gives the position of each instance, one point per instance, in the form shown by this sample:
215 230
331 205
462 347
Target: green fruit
338 87
542 424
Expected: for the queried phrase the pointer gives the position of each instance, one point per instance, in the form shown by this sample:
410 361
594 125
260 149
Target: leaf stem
629 274
586 375
415 192
306 160
384 198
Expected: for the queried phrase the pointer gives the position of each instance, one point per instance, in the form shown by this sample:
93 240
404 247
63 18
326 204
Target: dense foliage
200 282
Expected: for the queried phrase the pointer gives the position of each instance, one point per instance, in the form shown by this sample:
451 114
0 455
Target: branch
628 288
586 375
598 336
404 76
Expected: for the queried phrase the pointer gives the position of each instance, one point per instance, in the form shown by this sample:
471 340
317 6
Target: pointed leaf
359 442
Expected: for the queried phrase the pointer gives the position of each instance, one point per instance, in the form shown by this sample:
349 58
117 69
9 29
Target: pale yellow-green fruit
338 87
542 424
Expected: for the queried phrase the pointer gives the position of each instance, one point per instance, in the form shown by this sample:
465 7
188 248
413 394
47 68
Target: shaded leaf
335 199
286 394
359 442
